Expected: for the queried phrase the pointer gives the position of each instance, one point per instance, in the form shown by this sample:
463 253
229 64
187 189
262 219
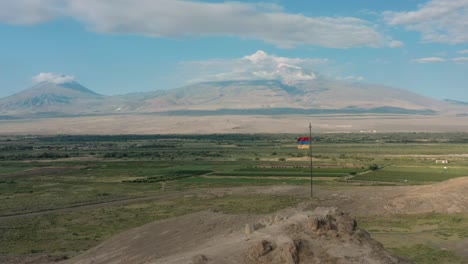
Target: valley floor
82 198
404 218
160 124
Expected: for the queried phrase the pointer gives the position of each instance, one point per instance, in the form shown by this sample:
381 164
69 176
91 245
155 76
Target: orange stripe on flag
303 146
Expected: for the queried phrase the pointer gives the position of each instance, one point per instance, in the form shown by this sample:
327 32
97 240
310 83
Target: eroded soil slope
325 235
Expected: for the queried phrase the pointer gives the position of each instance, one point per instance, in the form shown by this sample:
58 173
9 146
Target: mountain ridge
230 97
316 94
48 96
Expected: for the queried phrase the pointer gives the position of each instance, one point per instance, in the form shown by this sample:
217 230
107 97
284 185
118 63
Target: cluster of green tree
156 146
125 154
160 155
127 138
16 147
161 141
8 182
170 176
30 156
392 138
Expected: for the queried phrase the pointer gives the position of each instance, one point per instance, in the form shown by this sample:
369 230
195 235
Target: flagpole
310 155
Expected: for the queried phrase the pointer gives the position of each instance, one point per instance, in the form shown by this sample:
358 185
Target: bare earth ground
156 124
213 237
291 236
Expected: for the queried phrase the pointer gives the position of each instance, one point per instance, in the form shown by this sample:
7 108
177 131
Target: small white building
442 161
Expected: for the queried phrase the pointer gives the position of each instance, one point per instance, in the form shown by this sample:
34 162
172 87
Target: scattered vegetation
177 175
45 173
423 254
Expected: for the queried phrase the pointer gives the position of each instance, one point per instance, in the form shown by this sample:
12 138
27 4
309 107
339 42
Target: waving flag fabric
303 143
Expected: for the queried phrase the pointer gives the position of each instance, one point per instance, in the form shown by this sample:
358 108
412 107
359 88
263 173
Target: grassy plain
75 231
411 174
62 195
428 238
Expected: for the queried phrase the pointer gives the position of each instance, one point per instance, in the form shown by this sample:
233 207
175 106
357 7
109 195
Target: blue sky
117 47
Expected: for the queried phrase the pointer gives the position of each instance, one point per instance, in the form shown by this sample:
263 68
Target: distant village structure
442 161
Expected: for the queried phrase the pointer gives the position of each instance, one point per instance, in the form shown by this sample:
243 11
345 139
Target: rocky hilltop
293 236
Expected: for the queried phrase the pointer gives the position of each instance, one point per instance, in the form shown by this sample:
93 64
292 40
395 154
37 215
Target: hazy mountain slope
339 94
263 97
316 94
51 97
218 95
456 102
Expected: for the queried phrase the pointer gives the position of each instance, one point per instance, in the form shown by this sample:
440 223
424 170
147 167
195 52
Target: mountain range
299 94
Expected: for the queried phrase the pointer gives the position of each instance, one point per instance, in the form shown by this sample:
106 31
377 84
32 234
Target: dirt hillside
293 236
445 197
213 237
165 238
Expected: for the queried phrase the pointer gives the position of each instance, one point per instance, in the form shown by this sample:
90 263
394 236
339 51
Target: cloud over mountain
257 66
53 78
182 18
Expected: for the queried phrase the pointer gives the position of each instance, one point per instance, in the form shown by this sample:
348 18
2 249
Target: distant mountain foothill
244 97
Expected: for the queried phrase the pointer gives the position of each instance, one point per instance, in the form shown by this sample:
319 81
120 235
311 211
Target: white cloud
439 59
429 60
442 21
354 78
460 59
27 12
463 51
395 44
184 18
52 77
258 66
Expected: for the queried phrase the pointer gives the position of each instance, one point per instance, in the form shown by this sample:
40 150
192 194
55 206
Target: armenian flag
303 143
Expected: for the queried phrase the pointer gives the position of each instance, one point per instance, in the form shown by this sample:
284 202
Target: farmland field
65 194
414 174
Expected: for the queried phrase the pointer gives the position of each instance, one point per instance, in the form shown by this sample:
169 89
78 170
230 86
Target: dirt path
125 201
171 194
448 196
445 197
187 233
349 177
186 239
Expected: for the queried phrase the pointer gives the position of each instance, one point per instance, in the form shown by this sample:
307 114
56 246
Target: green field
291 172
69 233
415 174
127 181
428 238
